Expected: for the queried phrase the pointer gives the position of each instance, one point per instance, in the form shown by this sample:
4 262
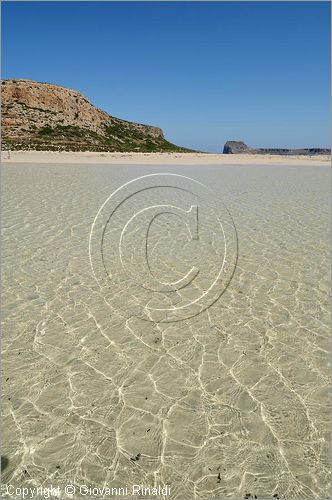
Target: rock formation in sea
239 147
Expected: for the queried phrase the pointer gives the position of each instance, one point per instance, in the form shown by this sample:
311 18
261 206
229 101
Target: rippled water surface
231 402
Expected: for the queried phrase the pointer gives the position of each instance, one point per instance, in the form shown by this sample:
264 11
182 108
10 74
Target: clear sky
203 71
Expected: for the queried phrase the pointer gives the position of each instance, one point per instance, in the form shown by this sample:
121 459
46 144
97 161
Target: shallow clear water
231 401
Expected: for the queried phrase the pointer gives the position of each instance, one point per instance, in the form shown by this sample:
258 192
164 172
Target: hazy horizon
204 72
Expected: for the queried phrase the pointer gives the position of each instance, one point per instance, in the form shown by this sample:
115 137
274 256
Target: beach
229 402
161 158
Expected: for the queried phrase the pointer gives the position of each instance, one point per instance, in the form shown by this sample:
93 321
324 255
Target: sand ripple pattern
232 402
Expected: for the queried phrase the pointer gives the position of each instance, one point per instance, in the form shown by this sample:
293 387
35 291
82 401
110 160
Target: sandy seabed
229 403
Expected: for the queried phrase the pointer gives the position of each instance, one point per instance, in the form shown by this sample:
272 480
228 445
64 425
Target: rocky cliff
239 147
43 116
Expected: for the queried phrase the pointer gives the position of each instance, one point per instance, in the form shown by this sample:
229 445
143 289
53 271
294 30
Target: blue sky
203 71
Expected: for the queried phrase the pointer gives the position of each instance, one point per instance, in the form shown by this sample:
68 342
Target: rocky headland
239 147
47 117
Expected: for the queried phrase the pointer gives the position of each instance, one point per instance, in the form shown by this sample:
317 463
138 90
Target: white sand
232 401
159 158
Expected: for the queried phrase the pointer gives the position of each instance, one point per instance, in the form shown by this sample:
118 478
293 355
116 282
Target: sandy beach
166 250
160 158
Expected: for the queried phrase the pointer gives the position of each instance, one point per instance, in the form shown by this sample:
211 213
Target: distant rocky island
47 117
239 147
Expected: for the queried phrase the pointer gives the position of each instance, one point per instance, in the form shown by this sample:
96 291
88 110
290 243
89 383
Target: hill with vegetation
47 117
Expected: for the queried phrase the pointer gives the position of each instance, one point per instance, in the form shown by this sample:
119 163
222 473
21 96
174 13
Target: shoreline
159 158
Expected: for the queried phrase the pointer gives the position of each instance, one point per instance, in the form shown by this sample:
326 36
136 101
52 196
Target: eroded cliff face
46 116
